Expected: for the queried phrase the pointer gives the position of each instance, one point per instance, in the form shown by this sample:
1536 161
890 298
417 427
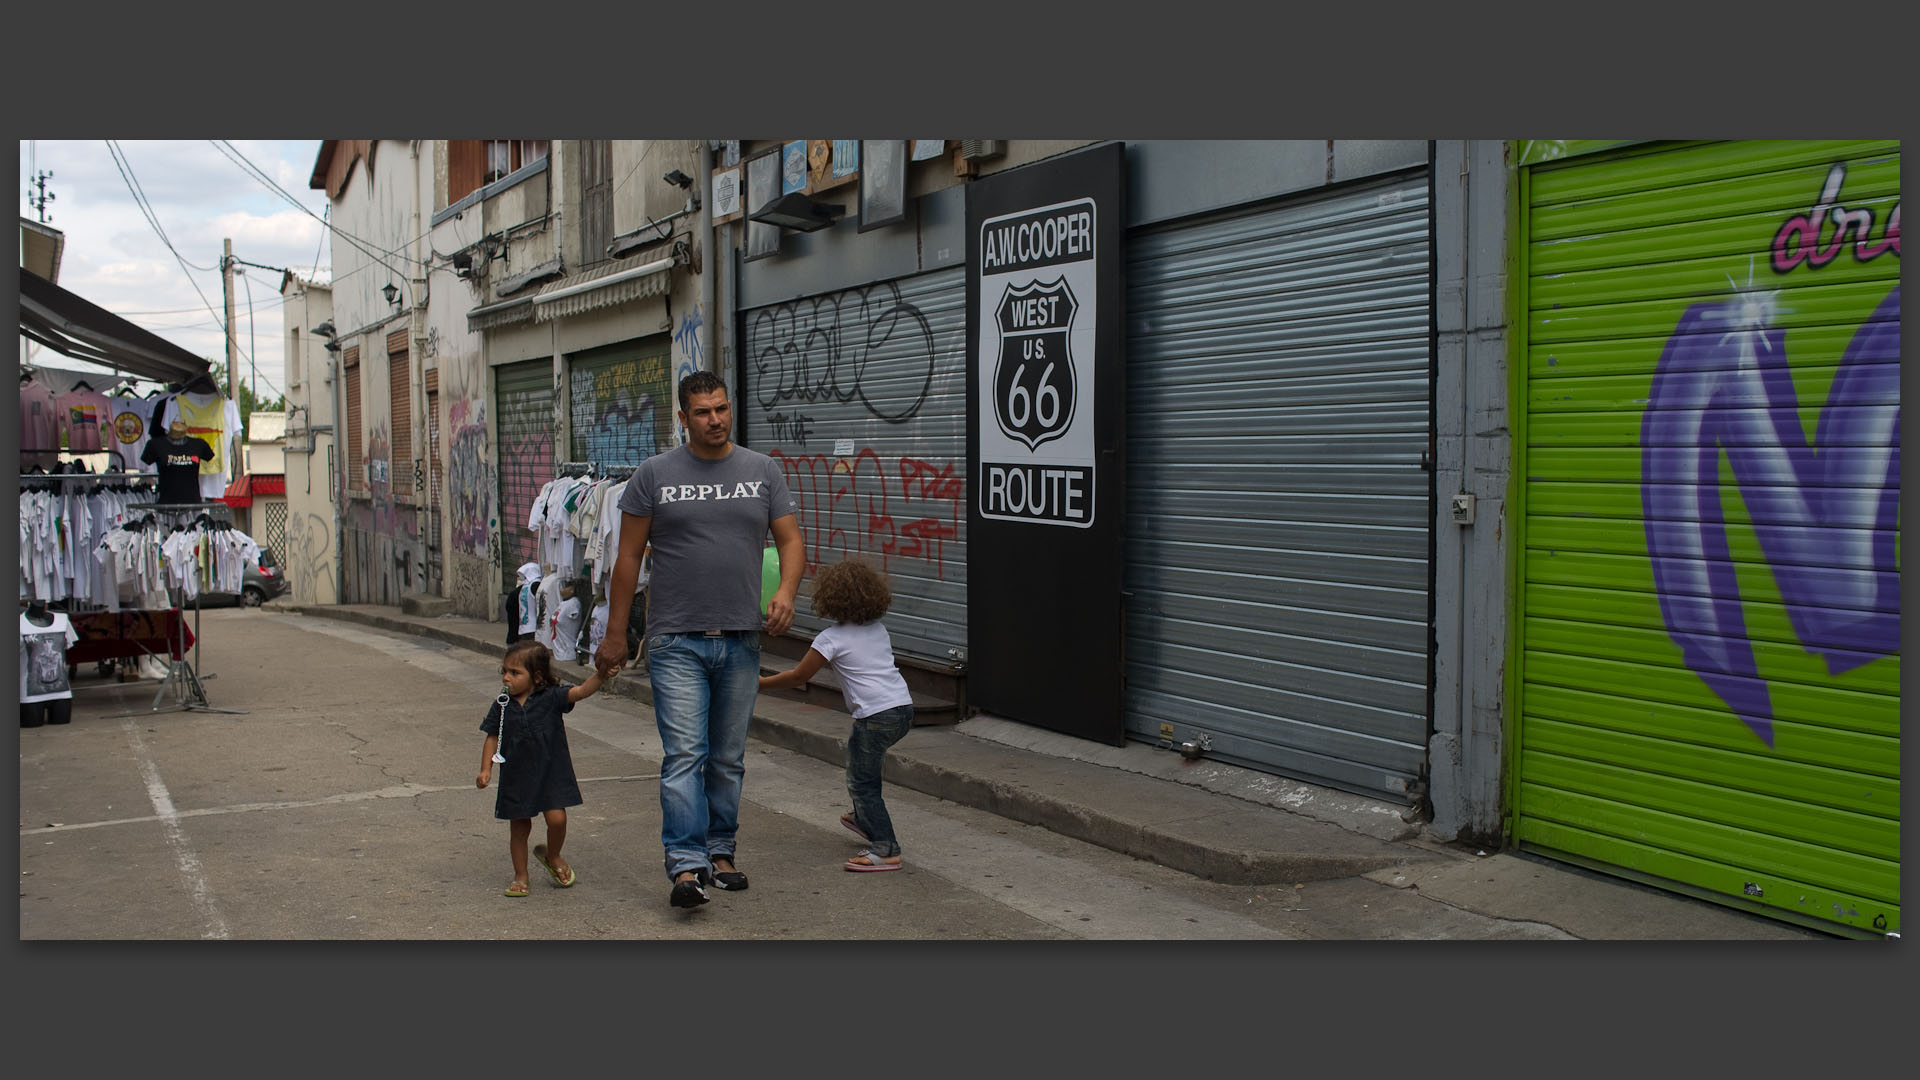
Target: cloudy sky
200 197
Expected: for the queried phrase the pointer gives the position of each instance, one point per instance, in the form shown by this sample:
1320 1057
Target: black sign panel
1046 443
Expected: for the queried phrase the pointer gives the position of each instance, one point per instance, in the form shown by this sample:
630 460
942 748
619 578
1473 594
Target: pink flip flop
854 827
868 863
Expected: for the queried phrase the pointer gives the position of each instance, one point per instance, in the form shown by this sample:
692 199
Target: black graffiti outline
786 340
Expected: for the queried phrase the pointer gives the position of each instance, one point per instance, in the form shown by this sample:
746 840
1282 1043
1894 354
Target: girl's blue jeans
866 750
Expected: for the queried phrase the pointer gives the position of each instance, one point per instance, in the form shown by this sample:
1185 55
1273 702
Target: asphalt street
328 795
337 802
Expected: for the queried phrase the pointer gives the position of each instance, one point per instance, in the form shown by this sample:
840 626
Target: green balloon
769 576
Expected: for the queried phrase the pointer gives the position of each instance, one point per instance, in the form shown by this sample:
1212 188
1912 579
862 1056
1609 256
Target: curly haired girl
857 645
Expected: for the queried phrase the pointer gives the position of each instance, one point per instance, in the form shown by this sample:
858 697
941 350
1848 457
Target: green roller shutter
622 402
1709 664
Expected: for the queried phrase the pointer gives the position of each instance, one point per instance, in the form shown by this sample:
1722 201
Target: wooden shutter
356 453
596 200
400 441
466 164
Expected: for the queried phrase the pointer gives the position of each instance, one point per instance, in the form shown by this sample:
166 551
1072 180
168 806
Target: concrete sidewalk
1215 821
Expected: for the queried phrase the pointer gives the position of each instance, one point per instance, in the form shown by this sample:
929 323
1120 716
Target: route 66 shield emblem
1033 379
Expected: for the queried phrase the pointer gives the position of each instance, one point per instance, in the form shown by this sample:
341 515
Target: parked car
262 582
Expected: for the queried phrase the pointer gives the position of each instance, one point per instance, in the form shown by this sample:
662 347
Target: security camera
678 179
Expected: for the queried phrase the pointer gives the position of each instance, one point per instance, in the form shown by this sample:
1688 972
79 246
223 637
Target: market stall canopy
74 327
240 493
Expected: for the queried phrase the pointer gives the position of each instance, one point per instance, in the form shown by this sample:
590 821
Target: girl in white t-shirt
857 645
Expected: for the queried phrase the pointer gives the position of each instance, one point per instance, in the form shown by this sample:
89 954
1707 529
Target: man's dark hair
700 382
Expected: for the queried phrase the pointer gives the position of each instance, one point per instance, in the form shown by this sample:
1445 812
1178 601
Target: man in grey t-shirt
706 508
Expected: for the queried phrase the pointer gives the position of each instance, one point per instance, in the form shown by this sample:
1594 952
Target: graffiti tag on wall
686 339
1825 513
617 418
856 369
821 349
309 542
526 464
1798 240
470 478
858 505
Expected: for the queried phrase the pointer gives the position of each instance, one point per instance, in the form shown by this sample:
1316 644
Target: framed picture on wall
883 182
763 186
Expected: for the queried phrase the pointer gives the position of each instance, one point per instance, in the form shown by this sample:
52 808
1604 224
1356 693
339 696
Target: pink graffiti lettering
1798 239
847 507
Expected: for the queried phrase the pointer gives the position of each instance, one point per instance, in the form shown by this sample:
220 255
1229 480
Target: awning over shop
75 327
241 492
504 313
601 287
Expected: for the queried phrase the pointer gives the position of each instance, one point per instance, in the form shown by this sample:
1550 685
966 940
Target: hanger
83 385
201 384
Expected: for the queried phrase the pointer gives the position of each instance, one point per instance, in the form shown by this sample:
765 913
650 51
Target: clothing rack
134 483
183 674
594 469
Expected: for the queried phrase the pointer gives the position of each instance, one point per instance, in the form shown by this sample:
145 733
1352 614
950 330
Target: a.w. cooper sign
1037 366
1046 443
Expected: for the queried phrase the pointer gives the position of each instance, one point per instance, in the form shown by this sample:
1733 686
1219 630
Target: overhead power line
365 247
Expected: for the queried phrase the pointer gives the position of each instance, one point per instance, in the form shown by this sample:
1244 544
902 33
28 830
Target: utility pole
233 353
233 343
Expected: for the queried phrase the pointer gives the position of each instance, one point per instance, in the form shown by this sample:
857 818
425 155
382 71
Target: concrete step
428 607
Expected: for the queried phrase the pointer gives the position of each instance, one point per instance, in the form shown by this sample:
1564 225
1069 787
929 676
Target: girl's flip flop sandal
854 827
540 856
868 863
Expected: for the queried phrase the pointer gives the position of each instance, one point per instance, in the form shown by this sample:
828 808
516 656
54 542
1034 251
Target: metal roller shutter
1277 574
622 402
1710 669
861 397
523 401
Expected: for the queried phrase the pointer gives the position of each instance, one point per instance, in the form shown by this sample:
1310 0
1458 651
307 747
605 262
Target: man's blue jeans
703 693
867 747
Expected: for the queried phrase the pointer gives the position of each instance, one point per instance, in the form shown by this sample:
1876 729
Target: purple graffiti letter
1825 516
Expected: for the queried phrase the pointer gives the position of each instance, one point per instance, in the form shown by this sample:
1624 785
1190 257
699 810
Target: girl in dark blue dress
536 771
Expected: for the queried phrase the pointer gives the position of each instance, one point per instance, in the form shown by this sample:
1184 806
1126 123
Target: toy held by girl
857 645
536 769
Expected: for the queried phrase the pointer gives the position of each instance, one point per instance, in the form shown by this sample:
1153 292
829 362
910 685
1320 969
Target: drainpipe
710 261
336 374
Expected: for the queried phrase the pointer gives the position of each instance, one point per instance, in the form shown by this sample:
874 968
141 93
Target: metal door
860 395
621 400
1277 575
1709 663
523 401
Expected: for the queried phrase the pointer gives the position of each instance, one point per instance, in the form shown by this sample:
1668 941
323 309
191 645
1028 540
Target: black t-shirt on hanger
178 462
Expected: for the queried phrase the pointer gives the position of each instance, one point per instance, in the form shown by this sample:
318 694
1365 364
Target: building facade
310 555
1491 478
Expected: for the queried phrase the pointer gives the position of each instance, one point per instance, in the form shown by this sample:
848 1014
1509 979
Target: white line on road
398 791
197 885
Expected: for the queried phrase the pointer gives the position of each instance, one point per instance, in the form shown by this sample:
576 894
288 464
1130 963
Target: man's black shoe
732 880
687 894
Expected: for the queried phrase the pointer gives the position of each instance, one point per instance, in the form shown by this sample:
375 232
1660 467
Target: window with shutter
356 452
400 439
474 163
